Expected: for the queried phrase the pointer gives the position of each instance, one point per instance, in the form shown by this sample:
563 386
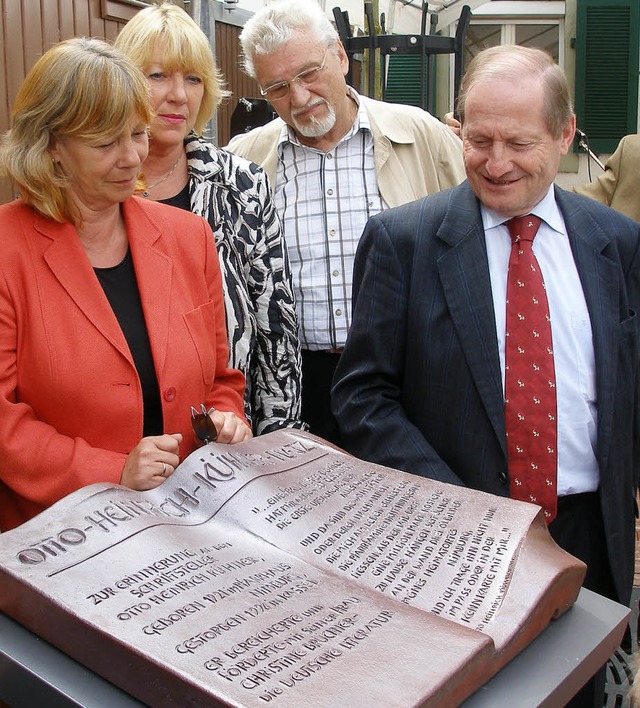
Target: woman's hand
151 461
231 429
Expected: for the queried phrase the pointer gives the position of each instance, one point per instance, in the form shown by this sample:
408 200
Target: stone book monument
282 571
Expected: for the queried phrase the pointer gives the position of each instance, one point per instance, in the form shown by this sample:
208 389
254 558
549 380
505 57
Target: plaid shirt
324 201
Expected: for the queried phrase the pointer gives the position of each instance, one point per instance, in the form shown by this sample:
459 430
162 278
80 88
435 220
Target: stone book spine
283 571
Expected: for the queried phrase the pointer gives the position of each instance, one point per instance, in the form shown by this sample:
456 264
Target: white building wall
355 8
401 18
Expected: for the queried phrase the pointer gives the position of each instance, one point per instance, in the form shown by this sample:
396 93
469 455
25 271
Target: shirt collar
203 159
287 136
547 209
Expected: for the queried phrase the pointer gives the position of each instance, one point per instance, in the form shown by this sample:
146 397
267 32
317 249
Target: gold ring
164 469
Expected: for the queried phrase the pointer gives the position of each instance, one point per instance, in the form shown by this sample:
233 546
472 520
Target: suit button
502 476
169 393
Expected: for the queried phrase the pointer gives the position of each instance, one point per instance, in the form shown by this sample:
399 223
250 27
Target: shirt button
329 192
169 393
329 156
336 273
338 312
332 232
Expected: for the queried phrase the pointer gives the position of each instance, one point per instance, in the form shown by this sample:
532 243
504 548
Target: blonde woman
233 195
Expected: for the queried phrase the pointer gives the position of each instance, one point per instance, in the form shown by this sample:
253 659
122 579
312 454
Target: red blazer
70 397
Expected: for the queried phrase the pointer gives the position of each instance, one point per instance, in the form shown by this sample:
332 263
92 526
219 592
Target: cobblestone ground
621 667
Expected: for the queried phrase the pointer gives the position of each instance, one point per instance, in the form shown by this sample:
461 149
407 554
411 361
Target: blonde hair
81 88
185 47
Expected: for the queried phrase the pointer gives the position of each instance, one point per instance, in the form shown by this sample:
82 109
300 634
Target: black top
180 200
121 288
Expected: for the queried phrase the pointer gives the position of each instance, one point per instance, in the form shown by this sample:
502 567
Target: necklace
160 181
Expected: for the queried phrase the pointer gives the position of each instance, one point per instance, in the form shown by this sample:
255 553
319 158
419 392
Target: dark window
405 83
607 70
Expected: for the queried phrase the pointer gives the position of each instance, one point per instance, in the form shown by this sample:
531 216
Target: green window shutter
403 80
607 70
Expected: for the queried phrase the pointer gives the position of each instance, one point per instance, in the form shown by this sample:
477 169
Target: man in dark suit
421 383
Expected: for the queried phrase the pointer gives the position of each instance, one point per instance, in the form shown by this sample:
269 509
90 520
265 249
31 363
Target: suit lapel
464 274
466 283
600 284
68 261
154 275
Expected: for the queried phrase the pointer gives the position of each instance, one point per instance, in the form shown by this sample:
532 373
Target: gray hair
277 23
514 62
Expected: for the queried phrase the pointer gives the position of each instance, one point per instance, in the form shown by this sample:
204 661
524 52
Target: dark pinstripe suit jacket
419 385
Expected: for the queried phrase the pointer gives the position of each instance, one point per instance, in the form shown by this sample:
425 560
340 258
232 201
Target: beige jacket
415 154
618 186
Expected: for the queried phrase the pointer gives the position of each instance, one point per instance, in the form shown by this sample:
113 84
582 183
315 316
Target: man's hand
452 123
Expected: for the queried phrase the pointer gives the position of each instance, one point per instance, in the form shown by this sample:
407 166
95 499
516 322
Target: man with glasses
334 159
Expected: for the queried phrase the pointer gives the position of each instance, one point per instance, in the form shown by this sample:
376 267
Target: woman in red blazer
111 322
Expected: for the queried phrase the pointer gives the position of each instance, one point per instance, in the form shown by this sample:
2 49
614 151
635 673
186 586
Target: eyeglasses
305 79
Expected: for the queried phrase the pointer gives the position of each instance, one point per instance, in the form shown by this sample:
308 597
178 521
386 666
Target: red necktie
530 383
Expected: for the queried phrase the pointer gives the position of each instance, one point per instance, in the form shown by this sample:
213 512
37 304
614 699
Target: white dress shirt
571 333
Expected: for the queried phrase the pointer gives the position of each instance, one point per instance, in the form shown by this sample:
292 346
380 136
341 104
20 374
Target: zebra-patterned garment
233 195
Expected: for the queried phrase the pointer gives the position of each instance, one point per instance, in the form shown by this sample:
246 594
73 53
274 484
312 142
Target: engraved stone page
447 549
189 614
283 571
